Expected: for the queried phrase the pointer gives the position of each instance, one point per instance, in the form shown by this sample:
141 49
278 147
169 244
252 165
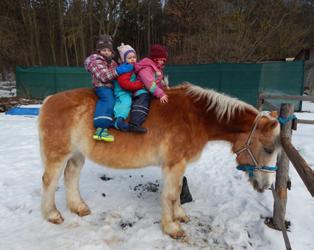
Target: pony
177 133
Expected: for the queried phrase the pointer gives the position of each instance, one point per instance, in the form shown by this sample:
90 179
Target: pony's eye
269 150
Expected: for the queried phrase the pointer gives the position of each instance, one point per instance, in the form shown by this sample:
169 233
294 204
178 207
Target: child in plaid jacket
103 70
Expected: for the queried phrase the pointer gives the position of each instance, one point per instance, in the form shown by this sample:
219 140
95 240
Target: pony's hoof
174 230
184 219
55 217
81 210
84 212
178 235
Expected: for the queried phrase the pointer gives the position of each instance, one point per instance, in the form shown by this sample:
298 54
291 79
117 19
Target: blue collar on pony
247 147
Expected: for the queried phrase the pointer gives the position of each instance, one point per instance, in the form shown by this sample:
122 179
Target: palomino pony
177 133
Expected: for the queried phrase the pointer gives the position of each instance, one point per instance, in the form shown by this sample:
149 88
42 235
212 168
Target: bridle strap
252 156
247 148
247 145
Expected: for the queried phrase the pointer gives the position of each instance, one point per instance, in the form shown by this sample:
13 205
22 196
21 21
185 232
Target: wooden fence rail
305 121
286 97
303 169
262 101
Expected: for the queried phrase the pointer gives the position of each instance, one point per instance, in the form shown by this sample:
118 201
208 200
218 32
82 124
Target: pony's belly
124 153
124 160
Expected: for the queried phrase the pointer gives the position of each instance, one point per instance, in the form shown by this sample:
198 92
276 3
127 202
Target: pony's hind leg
53 170
172 211
71 179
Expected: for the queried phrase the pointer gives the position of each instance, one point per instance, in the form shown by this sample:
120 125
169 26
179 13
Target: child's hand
164 99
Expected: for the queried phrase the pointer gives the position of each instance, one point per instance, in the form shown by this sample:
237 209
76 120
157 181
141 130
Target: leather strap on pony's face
247 148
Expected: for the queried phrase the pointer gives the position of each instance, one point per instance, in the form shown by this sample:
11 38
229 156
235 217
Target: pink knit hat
158 51
124 50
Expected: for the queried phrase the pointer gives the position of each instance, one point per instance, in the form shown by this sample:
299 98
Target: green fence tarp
243 81
39 82
283 79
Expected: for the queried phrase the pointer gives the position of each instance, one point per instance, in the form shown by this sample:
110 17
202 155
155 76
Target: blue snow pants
104 107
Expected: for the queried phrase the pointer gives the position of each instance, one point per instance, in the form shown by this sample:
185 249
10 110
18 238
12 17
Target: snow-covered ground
226 212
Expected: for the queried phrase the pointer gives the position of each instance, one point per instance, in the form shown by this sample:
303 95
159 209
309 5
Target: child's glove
124 68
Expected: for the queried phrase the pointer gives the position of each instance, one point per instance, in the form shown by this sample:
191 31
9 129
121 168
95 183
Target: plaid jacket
102 72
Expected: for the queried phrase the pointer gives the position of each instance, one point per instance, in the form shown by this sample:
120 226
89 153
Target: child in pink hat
150 72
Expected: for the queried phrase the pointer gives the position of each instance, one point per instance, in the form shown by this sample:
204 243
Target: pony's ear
269 126
274 114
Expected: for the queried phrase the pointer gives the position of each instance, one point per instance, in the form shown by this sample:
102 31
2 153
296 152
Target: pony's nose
256 187
255 184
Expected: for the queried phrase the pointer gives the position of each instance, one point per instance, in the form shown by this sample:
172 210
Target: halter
247 147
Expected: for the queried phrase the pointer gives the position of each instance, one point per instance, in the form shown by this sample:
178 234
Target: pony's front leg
179 213
172 211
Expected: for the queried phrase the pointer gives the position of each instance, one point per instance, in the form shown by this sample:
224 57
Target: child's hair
124 50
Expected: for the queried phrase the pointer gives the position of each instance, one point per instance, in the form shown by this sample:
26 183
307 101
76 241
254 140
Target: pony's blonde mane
223 104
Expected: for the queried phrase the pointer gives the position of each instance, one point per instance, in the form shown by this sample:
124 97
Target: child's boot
137 129
101 134
121 125
185 195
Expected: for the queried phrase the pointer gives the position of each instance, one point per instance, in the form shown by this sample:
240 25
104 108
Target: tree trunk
82 34
29 50
63 52
91 28
148 25
37 37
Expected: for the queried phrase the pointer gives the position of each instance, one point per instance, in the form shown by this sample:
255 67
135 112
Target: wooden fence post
282 177
260 101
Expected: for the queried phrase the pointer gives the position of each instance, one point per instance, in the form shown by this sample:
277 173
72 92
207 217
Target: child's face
131 58
160 61
106 52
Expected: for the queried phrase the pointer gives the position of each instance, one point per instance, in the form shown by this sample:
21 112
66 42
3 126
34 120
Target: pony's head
255 136
257 151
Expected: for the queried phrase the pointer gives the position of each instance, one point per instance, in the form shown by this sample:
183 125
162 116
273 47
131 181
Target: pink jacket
152 76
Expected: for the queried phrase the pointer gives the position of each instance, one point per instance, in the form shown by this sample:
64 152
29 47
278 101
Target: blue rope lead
284 120
250 169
